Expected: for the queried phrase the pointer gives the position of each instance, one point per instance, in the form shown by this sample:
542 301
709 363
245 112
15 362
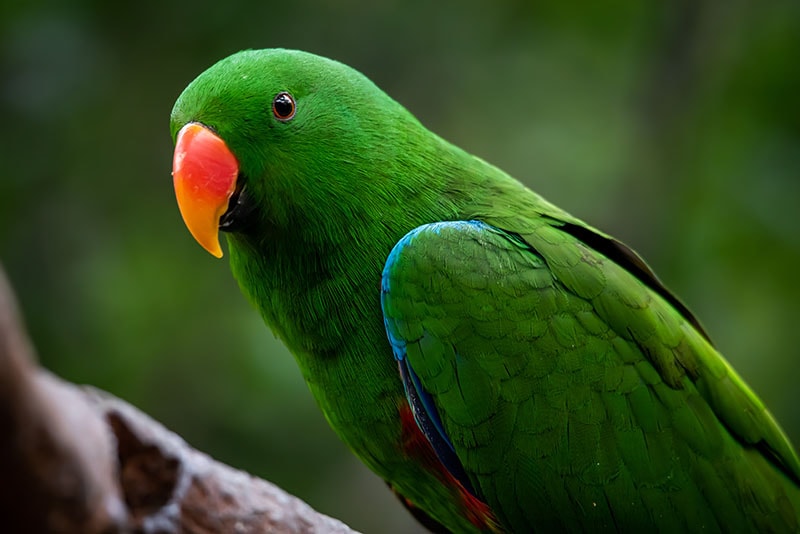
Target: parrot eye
283 106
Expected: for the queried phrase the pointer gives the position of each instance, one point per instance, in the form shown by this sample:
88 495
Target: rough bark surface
74 459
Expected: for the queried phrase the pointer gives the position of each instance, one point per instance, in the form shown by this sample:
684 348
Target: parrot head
280 140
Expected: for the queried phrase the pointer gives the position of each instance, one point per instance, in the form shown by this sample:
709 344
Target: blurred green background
674 126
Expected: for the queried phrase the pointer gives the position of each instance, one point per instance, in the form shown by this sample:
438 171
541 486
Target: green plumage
578 394
578 398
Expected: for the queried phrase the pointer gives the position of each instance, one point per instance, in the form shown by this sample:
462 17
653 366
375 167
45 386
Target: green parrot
502 365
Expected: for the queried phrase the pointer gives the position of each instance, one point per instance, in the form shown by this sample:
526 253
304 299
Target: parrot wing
566 392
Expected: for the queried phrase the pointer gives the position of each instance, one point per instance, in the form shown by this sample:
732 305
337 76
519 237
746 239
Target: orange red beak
204 173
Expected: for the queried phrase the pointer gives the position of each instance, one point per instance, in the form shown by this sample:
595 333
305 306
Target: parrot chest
333 326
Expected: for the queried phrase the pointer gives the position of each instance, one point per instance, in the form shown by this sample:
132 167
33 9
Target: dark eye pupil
283 106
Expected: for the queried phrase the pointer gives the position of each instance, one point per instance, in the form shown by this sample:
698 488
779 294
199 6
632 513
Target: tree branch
78 460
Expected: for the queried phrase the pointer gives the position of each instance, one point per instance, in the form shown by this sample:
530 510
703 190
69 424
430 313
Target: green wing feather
576 393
